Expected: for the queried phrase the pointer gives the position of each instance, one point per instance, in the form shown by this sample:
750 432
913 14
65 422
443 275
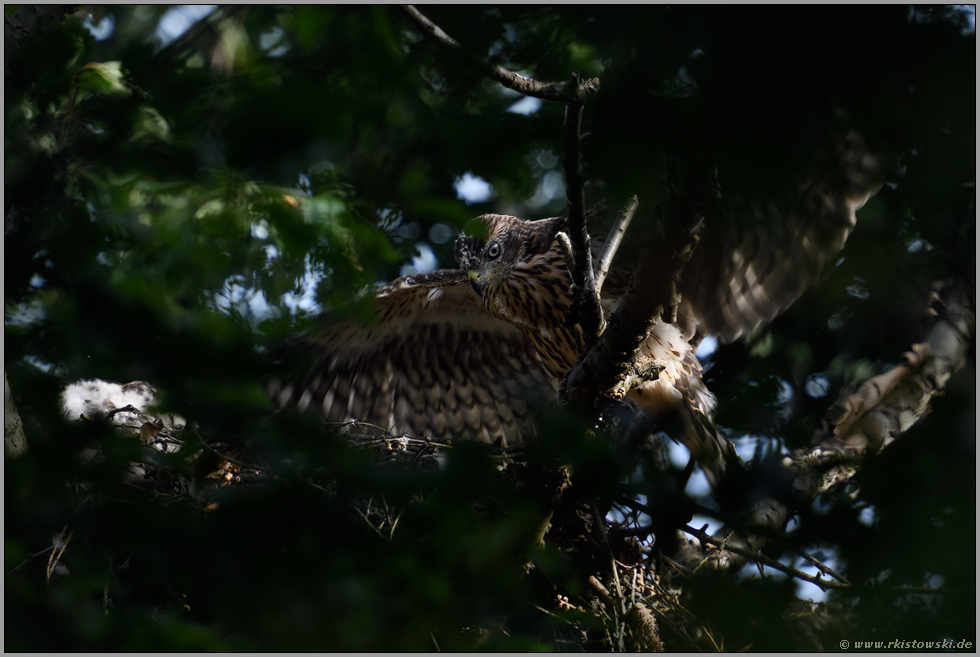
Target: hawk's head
493 244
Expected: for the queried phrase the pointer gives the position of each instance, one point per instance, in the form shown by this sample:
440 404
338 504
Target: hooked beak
477 281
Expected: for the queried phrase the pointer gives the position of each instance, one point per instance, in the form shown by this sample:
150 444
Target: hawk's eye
493 251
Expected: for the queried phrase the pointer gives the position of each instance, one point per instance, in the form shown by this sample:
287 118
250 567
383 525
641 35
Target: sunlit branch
606 366
613 241
565 92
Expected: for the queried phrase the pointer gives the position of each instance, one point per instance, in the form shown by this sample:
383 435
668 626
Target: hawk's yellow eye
493 251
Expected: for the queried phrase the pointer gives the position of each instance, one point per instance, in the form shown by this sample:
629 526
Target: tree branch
585 309
866 420
729 546
652 292
565 92
613 241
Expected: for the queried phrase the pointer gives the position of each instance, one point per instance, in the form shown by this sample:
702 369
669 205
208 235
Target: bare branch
652 292
613 240
585 308
565 92
822 567
727 545
60 545
868 419
865 421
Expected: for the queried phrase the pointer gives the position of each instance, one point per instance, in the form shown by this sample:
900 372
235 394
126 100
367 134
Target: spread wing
436 364
761 254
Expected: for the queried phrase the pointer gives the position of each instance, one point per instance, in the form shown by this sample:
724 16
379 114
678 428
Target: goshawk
465 352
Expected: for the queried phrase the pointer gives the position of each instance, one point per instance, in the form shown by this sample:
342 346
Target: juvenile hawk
467 351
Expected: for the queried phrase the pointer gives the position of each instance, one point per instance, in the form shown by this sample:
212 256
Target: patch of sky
103 29
817 385
697 485
423 263
707 347
617 516
305 185
473 189
919 244
273 42
252 303
968 16
389 219
829 557
526 106
305 299
178 19
677 454
867 516
46 367
510 36
234 296
784 402
260 230
750 446
970 13
699 521
552 184
858 290
25 314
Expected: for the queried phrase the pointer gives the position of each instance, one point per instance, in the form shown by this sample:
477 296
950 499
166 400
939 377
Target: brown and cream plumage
469 352
435 364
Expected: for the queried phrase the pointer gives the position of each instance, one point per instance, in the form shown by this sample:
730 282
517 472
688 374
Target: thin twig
601 591
59 549
29 559
613 240
824 584
369 523
566 92
822 567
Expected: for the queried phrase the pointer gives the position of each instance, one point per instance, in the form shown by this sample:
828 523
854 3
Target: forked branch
566 92
586 309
